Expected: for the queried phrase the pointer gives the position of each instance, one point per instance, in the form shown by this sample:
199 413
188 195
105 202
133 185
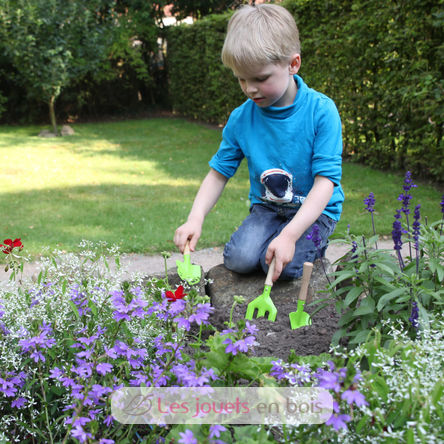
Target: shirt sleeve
229 156
327 150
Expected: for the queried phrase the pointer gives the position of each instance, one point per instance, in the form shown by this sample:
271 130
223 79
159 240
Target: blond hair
260 34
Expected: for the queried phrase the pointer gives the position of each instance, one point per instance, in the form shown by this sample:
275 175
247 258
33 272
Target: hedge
382 63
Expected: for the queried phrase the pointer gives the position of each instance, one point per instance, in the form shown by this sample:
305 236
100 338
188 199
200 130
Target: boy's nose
250 88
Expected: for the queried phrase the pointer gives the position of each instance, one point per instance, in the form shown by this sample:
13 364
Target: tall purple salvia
405 198
316 238
370 207
397 237
416 233
414 315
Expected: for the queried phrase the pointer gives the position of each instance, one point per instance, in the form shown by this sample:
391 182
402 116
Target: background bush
382 63
200 86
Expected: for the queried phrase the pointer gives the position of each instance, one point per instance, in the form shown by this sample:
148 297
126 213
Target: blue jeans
245 252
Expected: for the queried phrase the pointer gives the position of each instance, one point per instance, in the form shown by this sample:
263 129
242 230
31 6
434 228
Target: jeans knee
240 261
289 273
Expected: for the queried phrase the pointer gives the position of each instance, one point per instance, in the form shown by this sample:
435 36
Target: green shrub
200 86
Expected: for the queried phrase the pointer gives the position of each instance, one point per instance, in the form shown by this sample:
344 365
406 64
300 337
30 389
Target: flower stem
408 234
51 439
374 230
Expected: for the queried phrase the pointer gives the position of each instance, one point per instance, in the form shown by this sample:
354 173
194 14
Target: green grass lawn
132 183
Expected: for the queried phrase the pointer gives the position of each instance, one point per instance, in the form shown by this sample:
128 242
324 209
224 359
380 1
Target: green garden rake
263 303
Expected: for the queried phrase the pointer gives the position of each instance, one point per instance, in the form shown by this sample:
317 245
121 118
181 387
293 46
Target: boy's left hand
282 248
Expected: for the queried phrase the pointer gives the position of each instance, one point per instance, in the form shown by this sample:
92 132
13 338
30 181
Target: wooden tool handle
269 280
186 250
306 274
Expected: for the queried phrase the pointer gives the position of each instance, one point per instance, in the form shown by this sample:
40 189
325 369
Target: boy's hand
191 231
282 247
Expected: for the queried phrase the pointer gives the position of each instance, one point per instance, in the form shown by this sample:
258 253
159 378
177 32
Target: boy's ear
295 63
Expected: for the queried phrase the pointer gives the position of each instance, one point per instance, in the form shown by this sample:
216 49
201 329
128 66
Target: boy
291 137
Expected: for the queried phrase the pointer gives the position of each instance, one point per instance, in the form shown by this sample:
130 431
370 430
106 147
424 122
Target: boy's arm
283 246
207 196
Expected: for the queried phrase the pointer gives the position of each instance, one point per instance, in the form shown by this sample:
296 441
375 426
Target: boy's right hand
191 231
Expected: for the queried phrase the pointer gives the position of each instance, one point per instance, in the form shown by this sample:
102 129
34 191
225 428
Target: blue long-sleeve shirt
285 147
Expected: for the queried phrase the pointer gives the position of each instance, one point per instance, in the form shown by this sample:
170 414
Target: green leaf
352 295
386 268
93 307
364 420
345 318
74 309
344 275
338 335
367 306
360 336
388 297
380 386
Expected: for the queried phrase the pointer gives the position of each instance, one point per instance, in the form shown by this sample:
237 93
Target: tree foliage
52 42
54 46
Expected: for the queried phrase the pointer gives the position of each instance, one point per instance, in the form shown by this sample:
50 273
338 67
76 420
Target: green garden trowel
300 318
187 271
263 303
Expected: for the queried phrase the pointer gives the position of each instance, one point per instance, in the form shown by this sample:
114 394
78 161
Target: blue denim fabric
245 252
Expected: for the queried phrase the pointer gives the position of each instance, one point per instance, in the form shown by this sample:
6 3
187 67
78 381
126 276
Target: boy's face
271 84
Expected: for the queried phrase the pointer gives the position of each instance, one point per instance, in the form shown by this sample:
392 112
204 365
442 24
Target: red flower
10 244
178 294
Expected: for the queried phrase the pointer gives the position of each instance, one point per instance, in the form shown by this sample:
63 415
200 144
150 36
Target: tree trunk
52 117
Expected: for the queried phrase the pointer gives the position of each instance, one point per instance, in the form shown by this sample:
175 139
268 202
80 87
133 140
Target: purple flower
103 368
80 434
83 370
406 197
187 437
231 347
106 441
4 329
328 380
19 403
414 315
202 313
139 379
397 231
177 307
417 225
80 421
397 237
80 300
35 343
98 391
183 323
109 420
315 236
125 311
370 203
442 204
243 344
354 396
338 421
7 388
250 328
278 370
215 430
